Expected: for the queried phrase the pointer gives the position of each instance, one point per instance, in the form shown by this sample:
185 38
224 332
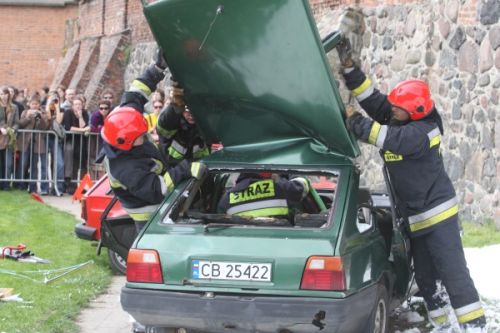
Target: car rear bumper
85 232
248 313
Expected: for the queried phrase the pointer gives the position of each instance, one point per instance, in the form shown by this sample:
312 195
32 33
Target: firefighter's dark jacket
182 140
139 177
411 152
139 172
256 196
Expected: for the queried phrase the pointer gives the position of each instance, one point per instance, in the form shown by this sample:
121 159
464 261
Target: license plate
223 270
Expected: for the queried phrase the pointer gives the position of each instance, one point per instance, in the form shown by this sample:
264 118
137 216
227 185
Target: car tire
379 319
117 262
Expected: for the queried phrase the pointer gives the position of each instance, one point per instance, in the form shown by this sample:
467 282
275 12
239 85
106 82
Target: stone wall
453 45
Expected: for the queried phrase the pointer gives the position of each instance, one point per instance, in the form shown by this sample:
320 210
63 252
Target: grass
479 235
48 232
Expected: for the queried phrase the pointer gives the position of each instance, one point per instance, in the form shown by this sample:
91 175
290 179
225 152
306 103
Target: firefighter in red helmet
407 129
135 167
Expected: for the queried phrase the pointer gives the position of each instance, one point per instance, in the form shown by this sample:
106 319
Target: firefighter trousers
439 256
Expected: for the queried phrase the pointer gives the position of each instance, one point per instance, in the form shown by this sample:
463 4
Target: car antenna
218 11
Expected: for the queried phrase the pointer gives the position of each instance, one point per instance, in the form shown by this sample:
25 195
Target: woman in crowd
56 141
76 123
9 118
33 146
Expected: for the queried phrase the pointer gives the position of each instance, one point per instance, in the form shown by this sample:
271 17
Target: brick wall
32 43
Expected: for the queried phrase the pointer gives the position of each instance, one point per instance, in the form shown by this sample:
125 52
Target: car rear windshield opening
257 198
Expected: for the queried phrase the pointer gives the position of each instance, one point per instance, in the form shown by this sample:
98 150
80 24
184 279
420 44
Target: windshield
269 198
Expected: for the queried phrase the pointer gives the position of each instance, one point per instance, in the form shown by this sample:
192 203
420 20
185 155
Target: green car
257 80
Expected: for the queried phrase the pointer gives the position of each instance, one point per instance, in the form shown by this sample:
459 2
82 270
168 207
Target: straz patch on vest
257 190
391 157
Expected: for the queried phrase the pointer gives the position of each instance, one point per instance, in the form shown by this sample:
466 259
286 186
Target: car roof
254 72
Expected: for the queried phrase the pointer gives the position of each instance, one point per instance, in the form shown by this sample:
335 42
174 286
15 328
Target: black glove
359 126
160 61
344 50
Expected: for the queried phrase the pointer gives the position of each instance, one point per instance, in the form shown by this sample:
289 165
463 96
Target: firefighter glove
356 123
198 170
160 61
344 50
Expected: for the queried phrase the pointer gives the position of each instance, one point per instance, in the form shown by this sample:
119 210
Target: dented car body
257 80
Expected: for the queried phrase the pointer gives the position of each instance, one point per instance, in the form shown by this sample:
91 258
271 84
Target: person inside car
263 195
136 168
407 128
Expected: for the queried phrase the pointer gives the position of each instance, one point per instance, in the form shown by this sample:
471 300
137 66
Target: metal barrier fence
40 161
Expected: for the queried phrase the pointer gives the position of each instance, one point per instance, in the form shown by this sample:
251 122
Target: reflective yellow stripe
264 212
195 168
158 167
164 132
391 157
258 190
168 181
440 320
201 153
359 90
435 219
374 133
140 217
470 316
174 153
138 85
435 141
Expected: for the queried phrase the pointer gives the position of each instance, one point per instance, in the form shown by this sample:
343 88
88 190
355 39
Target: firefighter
263 195
178 132
135 166
407 128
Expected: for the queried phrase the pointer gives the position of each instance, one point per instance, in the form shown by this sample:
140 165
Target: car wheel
117 262
379 319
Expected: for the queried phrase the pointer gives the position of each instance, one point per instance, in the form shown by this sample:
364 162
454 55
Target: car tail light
84 209
144 266
323 273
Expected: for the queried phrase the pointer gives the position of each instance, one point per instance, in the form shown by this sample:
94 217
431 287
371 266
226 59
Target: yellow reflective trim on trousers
435 219
440 319
168 182
140 86
359 90
174 153
264 212
140 217
470 316
258 190
374 133
435 141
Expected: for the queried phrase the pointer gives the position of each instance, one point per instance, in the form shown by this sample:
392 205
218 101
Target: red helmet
414 97
123 126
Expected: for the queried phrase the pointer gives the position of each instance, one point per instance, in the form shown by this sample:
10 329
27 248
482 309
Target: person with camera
32 144
76 124
56 141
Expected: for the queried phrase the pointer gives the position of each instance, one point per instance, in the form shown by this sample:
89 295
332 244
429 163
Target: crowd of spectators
49 140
